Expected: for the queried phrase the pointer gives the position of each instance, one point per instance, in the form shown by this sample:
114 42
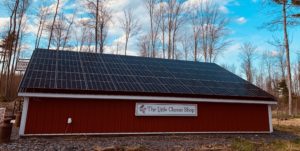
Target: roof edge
147 98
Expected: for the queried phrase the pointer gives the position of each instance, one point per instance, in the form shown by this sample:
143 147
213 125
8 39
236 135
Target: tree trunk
195 46
169 42
126 42
173 43
96 27
41 33
15 51
286 44
10 48
37 35
67 33
52 27
102 37
163 37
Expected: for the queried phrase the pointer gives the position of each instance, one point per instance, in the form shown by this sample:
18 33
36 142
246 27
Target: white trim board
24 116
270 118
150 133
148 98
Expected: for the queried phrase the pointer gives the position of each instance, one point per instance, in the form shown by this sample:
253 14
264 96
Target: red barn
79 93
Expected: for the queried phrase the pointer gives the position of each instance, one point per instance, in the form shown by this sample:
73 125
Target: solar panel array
49 69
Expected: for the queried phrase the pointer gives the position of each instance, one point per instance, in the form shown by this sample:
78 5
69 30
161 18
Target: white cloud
221 3
52 7
224 9
116 35
234 48
241 20
140 12
193 3
3 22
117 46
274 53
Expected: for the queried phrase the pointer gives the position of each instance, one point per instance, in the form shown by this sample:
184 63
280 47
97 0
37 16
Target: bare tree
42 15
57 31
89 42
298 82
185 45
117 47
96 25
145 46
166 17
175 20
83 34
130 25
195 17
154 24
296 85
8 44
53 23
259 79
213 30
280 56
12 42
101 16
268 60
231 68
21 24
298 74
61 31
248 55
67 36
287 51
161 18
283 19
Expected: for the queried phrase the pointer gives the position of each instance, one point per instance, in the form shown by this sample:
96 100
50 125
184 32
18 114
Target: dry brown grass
288 122
290 125
275 145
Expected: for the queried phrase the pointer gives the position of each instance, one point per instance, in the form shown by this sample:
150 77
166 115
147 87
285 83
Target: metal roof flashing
145 98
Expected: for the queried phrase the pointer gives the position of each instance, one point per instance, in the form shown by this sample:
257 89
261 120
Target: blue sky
246 16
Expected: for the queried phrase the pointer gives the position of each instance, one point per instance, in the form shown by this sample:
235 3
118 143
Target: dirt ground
286 136
154 142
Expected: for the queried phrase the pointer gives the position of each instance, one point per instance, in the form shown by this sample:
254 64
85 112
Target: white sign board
2 114
22 64
165 109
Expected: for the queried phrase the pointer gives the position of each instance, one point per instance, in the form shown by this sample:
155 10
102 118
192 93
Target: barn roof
70 72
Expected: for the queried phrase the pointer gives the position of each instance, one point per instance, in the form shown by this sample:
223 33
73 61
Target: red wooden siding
48 116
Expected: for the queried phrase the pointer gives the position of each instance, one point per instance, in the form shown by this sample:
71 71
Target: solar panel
67 70
201 90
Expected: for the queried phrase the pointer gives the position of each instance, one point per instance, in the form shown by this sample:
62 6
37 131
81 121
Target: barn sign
163 109
22 64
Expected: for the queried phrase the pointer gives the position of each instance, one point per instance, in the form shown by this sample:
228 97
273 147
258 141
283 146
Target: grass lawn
275 145
287 137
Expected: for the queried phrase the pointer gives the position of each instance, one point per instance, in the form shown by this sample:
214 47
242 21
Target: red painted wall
46 116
